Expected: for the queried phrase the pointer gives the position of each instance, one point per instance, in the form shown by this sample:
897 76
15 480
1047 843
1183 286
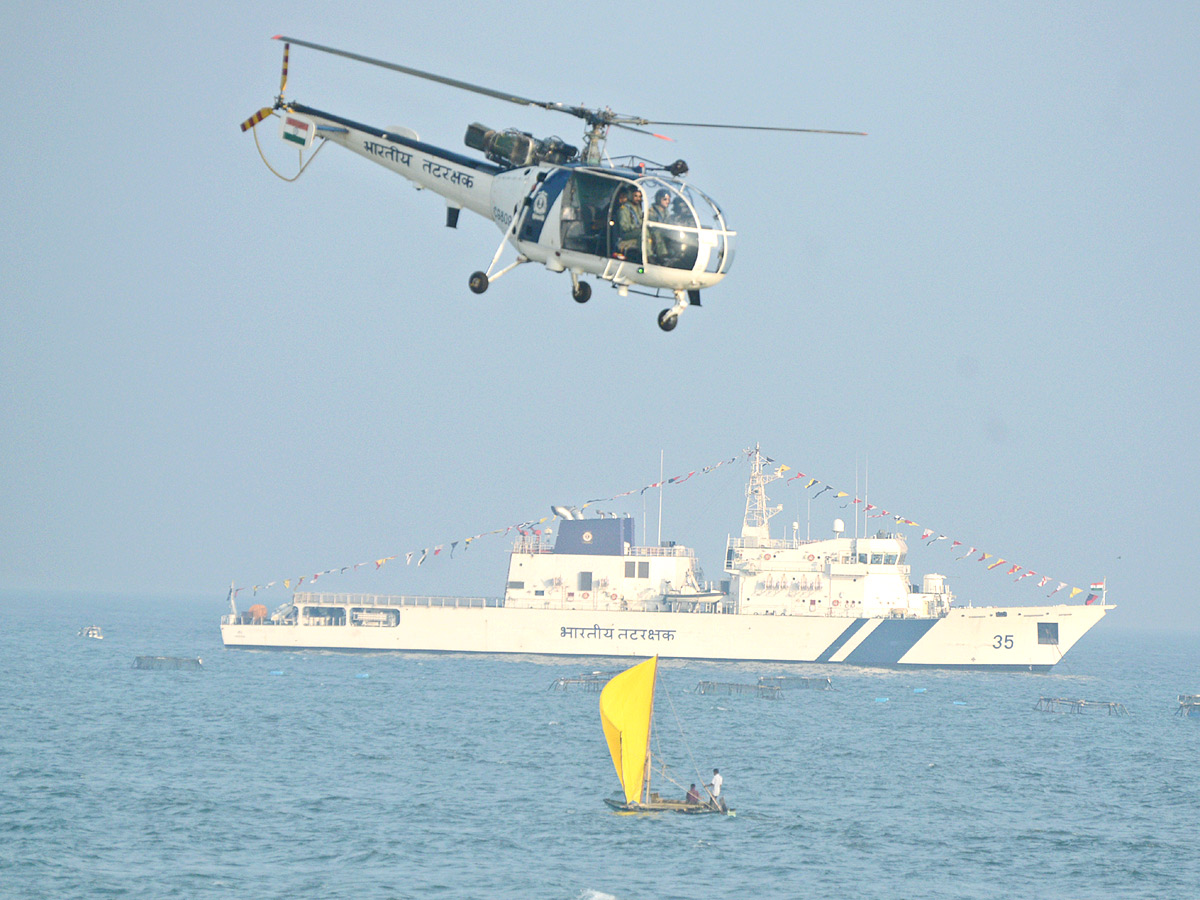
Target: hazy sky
207 374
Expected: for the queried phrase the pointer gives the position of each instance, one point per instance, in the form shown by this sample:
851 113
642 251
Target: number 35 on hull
637 225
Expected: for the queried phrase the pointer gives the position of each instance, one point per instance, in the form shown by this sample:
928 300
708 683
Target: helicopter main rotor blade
441 79
661 137
752 127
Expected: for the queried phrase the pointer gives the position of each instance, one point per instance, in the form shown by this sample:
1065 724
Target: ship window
630 569
1047 632
516 585
539 593
876 559
862 558
643 569
889 559
585 581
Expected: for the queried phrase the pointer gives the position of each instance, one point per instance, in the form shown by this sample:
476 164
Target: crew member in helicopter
662 248
629 225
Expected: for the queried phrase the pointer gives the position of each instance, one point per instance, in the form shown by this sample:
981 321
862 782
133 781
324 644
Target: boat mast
758 514
649 739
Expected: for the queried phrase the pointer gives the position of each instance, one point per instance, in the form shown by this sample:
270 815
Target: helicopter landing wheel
667 320
478 282
582 292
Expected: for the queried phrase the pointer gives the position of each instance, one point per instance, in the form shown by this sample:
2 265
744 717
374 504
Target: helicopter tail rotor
267 110
283 76
256 118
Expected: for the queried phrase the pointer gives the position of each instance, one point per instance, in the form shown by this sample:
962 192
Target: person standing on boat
714 789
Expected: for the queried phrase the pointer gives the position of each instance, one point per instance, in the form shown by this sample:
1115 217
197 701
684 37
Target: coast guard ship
593 591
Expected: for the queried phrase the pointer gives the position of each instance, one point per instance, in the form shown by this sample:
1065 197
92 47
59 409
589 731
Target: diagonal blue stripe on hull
891 640
841 639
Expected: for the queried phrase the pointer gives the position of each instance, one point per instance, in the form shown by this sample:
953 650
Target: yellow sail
626 706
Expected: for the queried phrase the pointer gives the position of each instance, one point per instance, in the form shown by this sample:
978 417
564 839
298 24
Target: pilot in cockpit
662 248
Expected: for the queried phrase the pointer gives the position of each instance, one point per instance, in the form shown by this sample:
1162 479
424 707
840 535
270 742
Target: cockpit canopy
647 219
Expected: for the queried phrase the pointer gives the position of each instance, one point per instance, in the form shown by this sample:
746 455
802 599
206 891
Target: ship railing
534 547
661 551
531 546
384 600
753 543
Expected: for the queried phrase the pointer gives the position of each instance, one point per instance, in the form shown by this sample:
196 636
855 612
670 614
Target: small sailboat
627 716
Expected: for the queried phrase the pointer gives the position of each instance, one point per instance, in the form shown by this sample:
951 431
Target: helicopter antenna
599 121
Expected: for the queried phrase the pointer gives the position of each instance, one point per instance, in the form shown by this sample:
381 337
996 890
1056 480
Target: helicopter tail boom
463 181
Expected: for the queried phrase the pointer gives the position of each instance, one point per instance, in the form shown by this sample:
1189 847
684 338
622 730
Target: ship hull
1013 639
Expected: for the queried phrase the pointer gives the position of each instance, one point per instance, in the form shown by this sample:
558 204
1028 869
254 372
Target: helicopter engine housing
517 148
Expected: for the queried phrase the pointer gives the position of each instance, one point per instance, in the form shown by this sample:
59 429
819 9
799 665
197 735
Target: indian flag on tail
297 129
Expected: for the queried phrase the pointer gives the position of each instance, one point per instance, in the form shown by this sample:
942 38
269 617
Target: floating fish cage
592 682
797 682
1189 705
770 691
167 662
1063 705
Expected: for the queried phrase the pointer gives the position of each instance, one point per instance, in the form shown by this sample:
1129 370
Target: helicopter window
716 240
586 205
671 235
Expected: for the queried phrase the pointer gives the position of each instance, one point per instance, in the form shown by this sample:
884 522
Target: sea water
393 775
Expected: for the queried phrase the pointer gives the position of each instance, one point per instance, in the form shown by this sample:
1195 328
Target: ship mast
758 514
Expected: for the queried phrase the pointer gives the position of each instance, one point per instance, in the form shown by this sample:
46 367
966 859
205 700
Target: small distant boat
91 631
627 716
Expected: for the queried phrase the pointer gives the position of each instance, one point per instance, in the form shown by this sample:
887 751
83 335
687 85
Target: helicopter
635 224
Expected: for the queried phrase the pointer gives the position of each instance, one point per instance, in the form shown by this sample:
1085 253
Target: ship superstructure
846 577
